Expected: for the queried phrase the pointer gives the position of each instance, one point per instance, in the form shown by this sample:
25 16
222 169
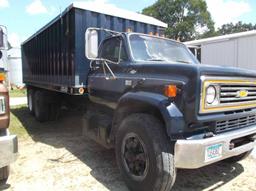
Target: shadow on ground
4 186
67 132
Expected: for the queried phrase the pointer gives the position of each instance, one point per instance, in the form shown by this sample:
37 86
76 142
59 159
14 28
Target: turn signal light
170 91
2 77
129 30
81 91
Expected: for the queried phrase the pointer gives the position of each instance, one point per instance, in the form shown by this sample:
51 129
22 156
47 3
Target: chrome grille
232 124
229 94
233 94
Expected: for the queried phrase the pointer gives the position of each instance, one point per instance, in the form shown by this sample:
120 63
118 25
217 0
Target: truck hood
225 71
189 76
195 69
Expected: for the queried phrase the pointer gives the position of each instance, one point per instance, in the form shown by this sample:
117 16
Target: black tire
4 174
30 98
46 106
238 157
41 109
54 105
157 171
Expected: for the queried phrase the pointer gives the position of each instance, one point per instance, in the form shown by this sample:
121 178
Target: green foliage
16 126
184 17
18 93
231 28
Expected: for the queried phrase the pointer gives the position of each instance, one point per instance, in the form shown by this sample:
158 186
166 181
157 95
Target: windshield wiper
155 59
183 61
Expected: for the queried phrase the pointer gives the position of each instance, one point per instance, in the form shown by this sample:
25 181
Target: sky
24 17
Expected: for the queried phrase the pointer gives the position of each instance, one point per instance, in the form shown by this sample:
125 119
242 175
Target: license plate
213 152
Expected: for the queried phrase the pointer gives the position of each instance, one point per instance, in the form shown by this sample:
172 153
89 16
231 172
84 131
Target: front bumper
190 153
8 149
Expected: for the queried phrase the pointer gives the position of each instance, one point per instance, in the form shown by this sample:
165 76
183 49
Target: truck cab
8 143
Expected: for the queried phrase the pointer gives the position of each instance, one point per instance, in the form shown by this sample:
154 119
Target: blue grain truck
142 94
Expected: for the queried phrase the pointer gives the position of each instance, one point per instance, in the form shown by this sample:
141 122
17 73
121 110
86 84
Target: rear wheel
145 154
41 108
4 173
46 106
238 157
54 105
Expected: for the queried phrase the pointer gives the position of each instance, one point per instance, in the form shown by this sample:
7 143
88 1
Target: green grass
24 125
16 125
18 93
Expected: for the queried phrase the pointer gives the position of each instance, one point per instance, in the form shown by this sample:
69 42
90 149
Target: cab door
102 86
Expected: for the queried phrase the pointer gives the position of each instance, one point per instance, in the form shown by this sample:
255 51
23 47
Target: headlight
210 94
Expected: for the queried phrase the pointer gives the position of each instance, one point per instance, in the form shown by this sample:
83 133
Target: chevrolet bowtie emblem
242 93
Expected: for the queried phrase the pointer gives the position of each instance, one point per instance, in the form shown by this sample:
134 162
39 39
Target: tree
231 28
186 19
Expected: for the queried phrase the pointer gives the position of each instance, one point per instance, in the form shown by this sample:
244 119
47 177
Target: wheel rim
135 157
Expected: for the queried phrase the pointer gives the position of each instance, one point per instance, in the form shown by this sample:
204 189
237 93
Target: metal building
236 50
15 67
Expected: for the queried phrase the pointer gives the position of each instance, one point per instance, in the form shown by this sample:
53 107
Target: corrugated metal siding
247 52
15 67
85 19
56 54
49 56
235 52
221 53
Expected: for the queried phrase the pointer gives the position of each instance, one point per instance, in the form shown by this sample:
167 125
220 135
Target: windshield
147 48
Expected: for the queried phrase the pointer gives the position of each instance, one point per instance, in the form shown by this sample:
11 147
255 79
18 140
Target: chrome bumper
8 150
190 153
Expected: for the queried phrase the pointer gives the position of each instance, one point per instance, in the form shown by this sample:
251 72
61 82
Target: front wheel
145 154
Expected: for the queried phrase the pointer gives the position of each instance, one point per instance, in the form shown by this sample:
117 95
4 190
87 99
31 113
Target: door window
110 50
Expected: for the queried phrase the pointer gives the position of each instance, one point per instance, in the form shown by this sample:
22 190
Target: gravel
55 156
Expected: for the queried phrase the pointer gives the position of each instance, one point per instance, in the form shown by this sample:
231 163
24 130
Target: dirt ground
55 156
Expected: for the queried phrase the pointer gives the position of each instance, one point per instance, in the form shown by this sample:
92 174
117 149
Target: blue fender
172 116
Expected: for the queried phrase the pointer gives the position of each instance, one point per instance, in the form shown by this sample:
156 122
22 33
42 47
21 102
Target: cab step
96 126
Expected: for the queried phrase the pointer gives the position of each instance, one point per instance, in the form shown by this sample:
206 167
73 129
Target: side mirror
1 39
91 44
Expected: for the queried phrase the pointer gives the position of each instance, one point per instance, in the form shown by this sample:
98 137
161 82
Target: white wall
220 53
247 52
238 52
15 67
